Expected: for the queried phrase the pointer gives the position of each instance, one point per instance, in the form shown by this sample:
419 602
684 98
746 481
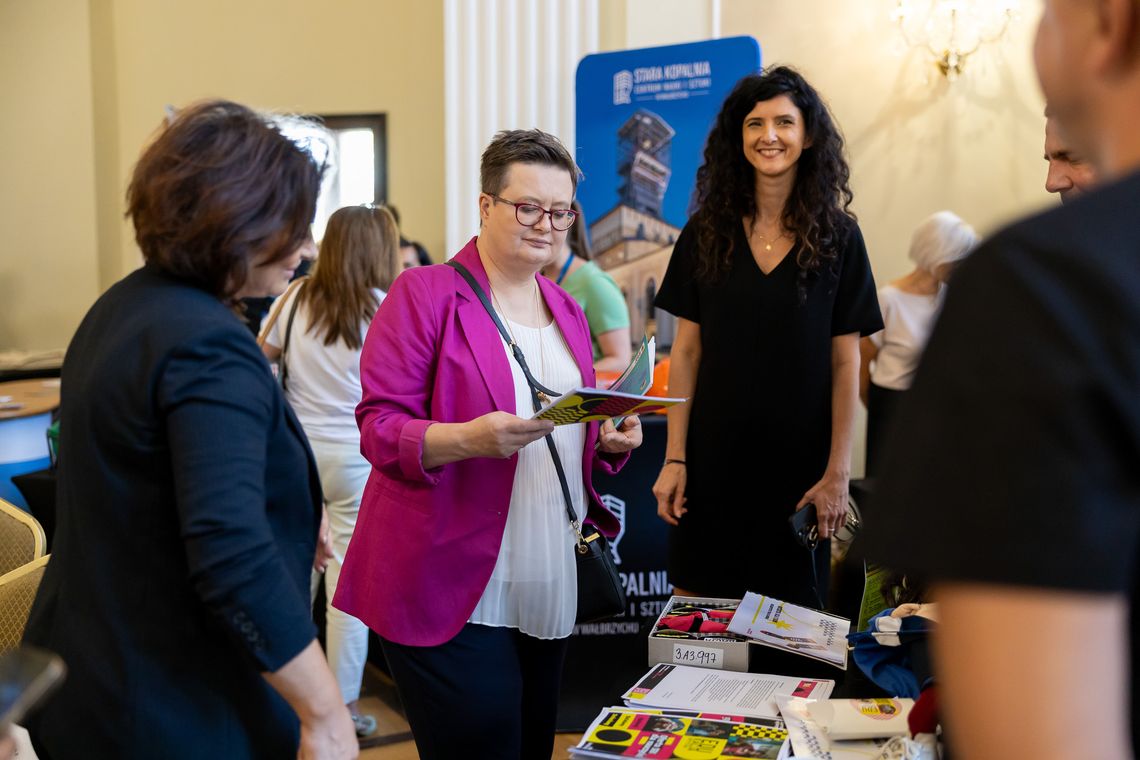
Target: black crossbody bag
600 591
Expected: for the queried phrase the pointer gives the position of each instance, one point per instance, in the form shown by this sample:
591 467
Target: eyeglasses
529 214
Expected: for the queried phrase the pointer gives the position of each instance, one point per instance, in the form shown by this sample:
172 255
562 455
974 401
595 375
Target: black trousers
488 693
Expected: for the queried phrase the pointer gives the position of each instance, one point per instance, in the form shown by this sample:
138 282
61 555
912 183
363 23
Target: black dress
760 423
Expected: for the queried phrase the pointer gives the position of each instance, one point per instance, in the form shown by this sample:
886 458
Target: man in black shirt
1012 480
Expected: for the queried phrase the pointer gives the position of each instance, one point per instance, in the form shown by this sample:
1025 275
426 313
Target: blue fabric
8 489
889 667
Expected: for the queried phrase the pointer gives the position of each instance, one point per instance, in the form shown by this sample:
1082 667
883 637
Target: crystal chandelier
952 30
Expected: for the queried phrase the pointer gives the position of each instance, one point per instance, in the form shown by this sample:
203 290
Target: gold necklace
752 230
766 242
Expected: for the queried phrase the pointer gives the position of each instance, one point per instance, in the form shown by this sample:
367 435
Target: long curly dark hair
818 209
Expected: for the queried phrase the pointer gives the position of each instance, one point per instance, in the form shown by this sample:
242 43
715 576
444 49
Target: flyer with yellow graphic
625 397
620 732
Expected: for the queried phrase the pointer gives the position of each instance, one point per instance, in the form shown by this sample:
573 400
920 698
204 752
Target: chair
17 592
21 537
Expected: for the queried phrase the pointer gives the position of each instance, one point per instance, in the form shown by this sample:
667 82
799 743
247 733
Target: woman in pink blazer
462 559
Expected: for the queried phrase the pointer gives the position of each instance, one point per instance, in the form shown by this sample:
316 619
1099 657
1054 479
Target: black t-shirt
1015 458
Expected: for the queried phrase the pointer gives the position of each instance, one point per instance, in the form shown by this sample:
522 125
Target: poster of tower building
642 117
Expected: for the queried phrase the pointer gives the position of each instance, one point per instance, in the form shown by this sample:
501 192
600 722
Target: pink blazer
426 541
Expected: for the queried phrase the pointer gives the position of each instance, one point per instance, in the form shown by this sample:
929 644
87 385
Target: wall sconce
952 30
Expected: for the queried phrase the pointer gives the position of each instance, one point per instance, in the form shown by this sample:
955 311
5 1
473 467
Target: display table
25 414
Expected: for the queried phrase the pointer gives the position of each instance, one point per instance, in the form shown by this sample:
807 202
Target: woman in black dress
772 289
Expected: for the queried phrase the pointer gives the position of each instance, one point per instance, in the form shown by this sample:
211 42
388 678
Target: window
362 165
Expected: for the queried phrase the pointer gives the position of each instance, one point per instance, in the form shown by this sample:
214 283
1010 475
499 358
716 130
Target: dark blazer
188 510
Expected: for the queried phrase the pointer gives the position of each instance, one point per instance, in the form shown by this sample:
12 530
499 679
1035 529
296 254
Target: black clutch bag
805 526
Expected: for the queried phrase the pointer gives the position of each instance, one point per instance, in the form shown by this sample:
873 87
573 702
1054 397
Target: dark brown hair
523 146
218 187
360 251
818 211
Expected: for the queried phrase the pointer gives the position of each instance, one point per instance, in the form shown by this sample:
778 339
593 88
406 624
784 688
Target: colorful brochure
588 404
621 732
624 397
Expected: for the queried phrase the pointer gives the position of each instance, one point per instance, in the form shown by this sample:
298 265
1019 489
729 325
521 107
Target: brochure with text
622 732
792 628
703 690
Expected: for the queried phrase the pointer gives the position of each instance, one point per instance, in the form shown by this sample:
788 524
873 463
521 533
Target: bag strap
263 335
519 357
536 401
283 369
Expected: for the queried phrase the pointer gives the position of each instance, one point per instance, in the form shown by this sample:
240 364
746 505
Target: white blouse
907 319
324 381
534 586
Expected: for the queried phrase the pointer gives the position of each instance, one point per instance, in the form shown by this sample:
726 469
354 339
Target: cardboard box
722 651
727 651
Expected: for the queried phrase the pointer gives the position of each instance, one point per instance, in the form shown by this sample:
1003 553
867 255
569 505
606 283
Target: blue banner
642 118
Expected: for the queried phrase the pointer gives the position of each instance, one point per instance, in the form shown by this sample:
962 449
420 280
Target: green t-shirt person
599 296
604 305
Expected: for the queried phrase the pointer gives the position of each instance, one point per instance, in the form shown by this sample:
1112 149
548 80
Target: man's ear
1116 43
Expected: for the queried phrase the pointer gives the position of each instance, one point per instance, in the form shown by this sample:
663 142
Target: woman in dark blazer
188 502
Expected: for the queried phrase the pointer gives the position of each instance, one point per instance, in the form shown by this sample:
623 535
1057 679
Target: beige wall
94 78
651 23
48 274
350 56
